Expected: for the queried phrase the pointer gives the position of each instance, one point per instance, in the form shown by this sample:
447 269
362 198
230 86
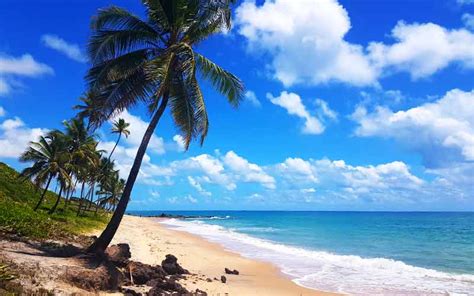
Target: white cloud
179 142
72 51
248 172
194 183
442 131
14 67
293 104
2 111
298 170
252 98
307 45
468 20
423 49
211 167
15 137
325 110
25 65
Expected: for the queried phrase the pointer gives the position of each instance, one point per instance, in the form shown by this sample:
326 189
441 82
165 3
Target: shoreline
150 241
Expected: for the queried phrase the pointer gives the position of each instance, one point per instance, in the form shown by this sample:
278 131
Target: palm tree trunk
70 194
116 143
44 193
79 206
105 238
57 201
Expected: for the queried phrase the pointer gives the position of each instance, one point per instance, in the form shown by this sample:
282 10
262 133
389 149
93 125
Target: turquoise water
377 252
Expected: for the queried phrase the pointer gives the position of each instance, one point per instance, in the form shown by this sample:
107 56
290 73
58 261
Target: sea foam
325 271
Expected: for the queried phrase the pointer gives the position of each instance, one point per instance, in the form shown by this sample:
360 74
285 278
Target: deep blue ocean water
419 253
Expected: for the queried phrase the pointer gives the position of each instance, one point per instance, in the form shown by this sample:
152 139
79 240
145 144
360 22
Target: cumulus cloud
15 136
294 106
252 98
211 167
298 170
423 49
442 131
248 172
226 171
179 142
308 46
12 68
72 51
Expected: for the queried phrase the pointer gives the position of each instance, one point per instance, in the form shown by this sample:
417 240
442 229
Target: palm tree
89 109
119 127
49 160
81 148
153 61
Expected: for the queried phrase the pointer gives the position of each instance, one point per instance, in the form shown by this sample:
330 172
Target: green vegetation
17 201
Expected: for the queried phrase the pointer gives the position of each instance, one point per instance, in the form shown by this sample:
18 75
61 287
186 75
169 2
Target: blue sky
350 105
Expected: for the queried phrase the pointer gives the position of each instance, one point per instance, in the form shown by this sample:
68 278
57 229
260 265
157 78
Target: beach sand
150 241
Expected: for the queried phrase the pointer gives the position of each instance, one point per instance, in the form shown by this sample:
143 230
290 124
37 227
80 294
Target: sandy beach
150 241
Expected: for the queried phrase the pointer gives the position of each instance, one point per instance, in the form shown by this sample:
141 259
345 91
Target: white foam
336 273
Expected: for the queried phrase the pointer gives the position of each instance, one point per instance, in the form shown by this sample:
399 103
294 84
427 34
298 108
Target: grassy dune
17 200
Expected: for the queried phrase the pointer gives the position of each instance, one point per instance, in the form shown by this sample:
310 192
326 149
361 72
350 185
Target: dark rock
105 277
119 254
228 271
223 279
171 266
142 273
163 286
200 293
164 215
208 280
129 292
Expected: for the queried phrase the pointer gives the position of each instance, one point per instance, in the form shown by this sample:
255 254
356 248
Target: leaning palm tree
153 61
119 127
49 157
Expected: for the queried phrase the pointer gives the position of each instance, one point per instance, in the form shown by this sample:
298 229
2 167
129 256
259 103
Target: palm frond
225 82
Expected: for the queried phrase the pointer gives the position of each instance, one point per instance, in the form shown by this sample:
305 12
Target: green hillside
17 200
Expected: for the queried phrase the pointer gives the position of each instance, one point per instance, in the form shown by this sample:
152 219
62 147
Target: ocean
357 253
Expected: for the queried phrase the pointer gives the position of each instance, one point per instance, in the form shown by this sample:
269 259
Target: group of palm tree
149 61
72 159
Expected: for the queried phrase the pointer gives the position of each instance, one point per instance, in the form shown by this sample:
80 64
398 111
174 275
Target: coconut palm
49 157
82 151
89 109
153 61
119 127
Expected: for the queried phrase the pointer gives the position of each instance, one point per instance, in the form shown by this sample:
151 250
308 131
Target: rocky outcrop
119 254
165 286
140 273
105 277
223 279
171 266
